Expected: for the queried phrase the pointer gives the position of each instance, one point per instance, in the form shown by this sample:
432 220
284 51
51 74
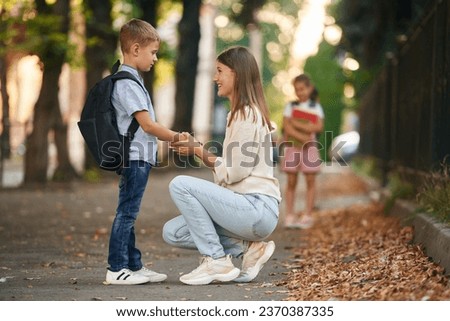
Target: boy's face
146 56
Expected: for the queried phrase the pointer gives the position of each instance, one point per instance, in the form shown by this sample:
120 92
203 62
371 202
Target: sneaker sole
153 278
210 278
158 279
125 282
253 273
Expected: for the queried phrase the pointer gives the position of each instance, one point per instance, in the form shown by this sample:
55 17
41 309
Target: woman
232 216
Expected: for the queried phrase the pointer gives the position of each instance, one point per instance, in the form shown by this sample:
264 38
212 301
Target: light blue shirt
127 98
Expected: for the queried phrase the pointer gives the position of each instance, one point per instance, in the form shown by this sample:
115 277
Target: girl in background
302 121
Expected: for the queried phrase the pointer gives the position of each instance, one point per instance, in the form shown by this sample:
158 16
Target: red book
301 114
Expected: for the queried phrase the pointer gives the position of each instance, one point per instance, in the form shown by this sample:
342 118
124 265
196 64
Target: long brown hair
248 90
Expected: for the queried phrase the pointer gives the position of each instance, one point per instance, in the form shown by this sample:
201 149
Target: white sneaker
125 277
152 275
255 257
211 270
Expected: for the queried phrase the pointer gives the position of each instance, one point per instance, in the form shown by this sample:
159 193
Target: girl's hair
137 31
248 90
314 96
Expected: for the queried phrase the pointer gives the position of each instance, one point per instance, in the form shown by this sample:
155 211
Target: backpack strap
117 75
115 67
132 129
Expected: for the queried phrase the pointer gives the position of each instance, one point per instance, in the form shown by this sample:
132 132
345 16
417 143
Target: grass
399 188
434 194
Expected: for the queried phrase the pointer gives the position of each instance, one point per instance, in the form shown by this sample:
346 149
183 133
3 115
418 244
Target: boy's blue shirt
128 97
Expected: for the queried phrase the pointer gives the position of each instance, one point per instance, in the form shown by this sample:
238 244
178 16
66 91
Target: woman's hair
302 78
137 31
248 90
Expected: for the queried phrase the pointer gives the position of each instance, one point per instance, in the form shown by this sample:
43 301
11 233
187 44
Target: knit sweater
246 165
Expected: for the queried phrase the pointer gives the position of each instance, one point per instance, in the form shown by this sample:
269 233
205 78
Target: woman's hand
186 144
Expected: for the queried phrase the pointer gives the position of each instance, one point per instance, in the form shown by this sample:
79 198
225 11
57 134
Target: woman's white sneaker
211 270
257 254
125 277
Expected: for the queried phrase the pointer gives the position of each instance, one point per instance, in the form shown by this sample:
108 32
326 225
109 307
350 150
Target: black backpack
98 124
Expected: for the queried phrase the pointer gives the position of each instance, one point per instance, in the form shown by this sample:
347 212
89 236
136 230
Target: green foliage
13 14
399 188
24 30
366 166
434 194
92 175
327 76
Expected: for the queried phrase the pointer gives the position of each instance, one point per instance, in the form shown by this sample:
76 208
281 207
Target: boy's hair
137 31
248 90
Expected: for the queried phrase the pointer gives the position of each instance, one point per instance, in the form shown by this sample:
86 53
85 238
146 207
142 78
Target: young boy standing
139 43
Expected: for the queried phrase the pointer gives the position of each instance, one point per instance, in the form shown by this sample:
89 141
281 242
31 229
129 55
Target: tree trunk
47 114
186 73
36 157
186 65
5 149
99 55
149 9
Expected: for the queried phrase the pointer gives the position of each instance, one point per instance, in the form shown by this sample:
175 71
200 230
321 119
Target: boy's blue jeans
122 249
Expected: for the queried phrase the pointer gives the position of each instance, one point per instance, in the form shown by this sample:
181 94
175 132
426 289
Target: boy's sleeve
130 96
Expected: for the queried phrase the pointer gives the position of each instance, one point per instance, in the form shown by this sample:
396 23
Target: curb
431 235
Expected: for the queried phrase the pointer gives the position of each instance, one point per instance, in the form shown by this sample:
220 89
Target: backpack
98 124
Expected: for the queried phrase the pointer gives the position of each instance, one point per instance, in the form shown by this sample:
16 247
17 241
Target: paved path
53 244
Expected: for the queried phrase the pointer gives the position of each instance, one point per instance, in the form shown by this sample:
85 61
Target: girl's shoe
305 222
289 221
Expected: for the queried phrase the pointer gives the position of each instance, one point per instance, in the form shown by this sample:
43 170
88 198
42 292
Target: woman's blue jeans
122 244
216 220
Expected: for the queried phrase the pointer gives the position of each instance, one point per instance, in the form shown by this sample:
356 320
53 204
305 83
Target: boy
139 43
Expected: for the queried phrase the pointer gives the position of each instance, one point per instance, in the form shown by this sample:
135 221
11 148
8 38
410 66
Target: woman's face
224 79
302 91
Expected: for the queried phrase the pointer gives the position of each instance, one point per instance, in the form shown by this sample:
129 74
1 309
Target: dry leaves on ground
361 254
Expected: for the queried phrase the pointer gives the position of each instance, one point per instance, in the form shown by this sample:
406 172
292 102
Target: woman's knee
174 230
179 183
168 233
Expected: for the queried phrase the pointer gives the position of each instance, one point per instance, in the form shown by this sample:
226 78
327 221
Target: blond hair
137 31
248 90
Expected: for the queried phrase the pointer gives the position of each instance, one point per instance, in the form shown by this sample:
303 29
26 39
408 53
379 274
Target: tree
148 13
100 50
5 150
372 27
51 26
186 64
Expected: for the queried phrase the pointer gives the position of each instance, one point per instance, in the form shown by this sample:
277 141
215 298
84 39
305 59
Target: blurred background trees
341 44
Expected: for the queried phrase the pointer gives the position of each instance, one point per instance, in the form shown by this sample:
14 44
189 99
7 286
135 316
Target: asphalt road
54 240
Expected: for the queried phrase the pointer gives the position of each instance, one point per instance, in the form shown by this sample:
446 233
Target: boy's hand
180 137
185 145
